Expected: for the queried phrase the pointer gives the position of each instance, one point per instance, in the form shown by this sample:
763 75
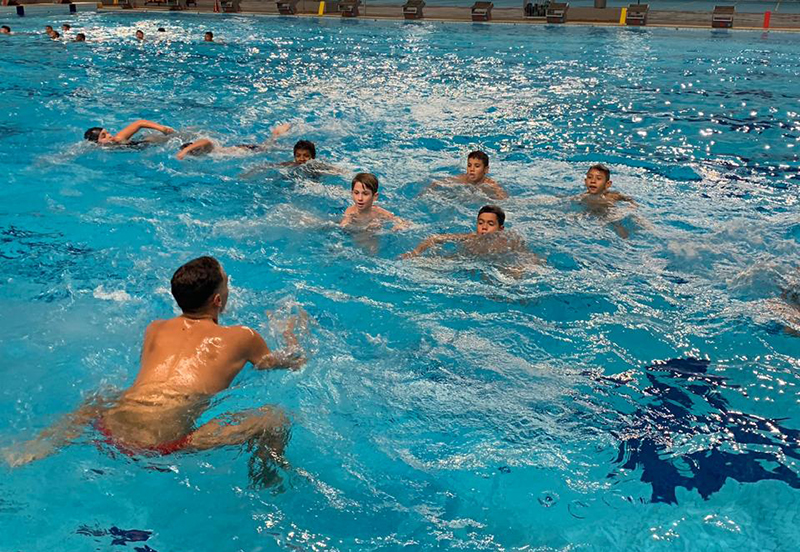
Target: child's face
208 37
302 156
140 35
105 137
596 182
363 197
476 170
488 223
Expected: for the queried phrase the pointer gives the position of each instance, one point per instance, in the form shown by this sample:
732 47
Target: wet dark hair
6 27
209 33
93 134
482 157
603 169
80 37
48 27
306 145
196 282
139 31
66 26
162 30
496 211
369 180
56 35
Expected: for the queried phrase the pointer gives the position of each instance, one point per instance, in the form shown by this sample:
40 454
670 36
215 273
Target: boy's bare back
192 356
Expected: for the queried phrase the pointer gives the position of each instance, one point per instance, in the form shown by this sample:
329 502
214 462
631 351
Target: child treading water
363 213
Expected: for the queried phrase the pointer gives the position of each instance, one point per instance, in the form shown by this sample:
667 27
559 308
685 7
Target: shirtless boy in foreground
185 361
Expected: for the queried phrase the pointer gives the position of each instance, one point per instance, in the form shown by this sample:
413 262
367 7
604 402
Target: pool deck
578 15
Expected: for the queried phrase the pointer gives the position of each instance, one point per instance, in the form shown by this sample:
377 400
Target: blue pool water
637 394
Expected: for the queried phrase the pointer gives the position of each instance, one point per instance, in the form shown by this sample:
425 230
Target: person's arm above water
203 145
494 190
128 132
277 132
434 240
290 356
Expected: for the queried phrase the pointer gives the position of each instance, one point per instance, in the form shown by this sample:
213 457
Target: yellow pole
321 8
622 16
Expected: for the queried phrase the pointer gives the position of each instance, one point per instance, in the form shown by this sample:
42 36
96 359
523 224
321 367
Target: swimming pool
633 394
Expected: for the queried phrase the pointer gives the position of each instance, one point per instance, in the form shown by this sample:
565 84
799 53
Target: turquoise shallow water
445 404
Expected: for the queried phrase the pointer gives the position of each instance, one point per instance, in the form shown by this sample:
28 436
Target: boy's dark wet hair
196 282
80 37
209 34
497 211
55 35
6 28
477 154
601 168
306 145
369 180
162 30
93 134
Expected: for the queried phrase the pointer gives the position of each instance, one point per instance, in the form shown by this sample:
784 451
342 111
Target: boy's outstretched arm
290 357
203 143
127 132
426 244
495 190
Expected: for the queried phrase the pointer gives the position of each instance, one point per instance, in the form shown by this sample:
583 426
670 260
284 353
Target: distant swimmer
185 361
66 27
80 37
490 240
5 29
204 146
599 198
476 177
48 30
123 138
139 35
363 213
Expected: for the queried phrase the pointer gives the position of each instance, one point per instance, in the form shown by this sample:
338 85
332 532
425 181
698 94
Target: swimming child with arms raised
185 361
103 137
204 146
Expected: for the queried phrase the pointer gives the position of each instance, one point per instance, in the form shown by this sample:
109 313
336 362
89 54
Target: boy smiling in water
363 212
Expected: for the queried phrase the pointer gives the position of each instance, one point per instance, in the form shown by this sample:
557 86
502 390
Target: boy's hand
166 130
281 129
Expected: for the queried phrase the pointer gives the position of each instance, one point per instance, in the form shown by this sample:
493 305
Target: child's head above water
198 283
491 218
364 190
598 179
98 134
304 151
477 166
